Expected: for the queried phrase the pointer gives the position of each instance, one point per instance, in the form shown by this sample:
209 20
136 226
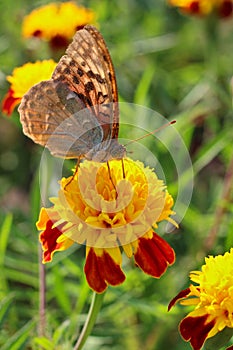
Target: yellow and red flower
110 214
223 8
22 79
212 297
57 22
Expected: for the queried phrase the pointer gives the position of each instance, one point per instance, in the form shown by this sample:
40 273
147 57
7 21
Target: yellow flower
22 79
213 299
223 8
110 214
57 22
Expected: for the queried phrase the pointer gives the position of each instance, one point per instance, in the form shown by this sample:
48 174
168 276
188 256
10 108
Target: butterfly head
106 151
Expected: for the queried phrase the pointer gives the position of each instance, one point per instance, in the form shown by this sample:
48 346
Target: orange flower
223 8
57 22
22 79
110 216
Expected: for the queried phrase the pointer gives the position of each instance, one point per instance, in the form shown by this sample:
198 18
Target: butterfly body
75 113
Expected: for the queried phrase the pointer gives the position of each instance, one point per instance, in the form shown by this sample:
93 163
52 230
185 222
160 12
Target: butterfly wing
54 116
84 80
88 70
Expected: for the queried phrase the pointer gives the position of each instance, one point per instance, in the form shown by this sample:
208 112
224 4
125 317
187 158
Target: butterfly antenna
152 132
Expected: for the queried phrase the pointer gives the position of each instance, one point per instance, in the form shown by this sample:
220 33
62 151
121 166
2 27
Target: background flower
89 211
22 79
222 8
212 297
57 22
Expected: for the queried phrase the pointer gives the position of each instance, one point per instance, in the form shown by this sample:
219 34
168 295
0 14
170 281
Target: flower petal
153 255
226 8
56 20
184 293
102 268
9 102
102 222
49 237
223 8
196 330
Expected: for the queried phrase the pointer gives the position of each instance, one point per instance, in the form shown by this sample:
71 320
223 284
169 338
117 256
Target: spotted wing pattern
88 70
84 80
53 116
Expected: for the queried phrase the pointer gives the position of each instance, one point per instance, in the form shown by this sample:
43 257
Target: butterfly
75 114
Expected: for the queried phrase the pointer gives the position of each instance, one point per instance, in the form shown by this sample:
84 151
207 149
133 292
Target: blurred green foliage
165 61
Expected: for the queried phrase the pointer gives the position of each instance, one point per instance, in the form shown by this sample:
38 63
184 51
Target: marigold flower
57 22
110 214
22 79
223 8
213 300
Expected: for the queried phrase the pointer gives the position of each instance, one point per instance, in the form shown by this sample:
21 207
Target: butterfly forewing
88 70
110 73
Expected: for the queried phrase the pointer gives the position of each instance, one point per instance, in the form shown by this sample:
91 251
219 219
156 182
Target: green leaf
141 94
219 340
19 339
5 306
4 235
60 291
45 344
212 149
61 331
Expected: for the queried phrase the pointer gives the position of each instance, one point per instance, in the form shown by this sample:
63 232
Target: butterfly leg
75 172
110 176
123 168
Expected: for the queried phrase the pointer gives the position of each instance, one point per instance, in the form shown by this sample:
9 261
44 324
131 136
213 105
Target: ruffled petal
183 294
9 102
56 20
103 268
50 235
196 330
153 255
83 215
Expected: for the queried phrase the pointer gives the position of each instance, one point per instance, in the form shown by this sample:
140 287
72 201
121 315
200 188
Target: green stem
95 306
42 292
35 209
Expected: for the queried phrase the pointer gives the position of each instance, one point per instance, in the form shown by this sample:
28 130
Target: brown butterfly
75 114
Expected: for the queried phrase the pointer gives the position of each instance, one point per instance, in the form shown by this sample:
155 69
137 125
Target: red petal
179 296
194 7
9 103
48 239
58 42
153 255
226 9
102 270
196 330
37 33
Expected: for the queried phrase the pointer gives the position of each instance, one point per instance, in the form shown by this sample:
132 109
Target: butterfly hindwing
61 122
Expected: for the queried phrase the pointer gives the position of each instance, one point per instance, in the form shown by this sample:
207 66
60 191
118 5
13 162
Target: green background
178 66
